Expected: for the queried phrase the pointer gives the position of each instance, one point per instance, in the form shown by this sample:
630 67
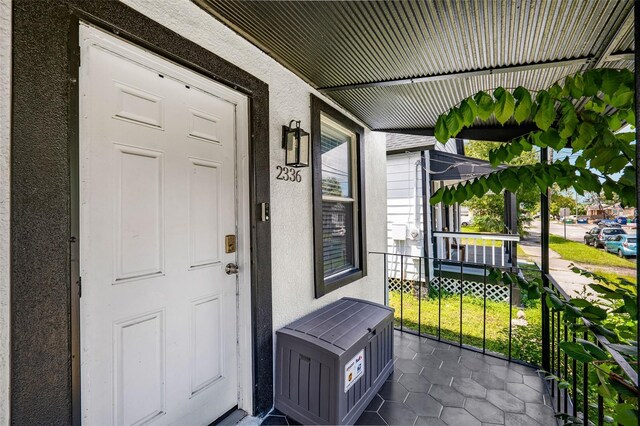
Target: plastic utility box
332 362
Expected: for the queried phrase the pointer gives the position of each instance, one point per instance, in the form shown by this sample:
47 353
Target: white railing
475 247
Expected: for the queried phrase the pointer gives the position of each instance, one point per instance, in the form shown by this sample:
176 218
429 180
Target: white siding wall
405 223
291 206
5 116
450 146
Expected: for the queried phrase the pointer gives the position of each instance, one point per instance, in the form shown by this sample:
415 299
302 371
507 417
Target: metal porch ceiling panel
418 105
341 43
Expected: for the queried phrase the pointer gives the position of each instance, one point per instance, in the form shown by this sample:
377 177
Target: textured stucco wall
291 208
5 105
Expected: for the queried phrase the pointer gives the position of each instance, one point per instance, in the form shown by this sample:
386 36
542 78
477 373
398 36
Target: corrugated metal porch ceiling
364 54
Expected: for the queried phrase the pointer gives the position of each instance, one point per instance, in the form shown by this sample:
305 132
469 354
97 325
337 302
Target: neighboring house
595 212
617 210
418 233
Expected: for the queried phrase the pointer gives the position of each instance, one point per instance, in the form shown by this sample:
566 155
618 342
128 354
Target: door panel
158 312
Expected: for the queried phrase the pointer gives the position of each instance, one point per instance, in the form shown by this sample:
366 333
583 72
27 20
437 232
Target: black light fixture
296 143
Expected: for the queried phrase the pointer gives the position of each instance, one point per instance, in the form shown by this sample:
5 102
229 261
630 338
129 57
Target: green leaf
504 105
594 350
594 313
591 82
478 188
554 302
525 144
447 197
631 306
441 132
515 148
610 335
493 182
577 88
581 303
541 184
622 98
502 154
555 91
523 104
546 113
509 180
611 81
437 197
460 194
485 105
568 121
454 122
576 351
628 176
615 121
467 113
626 415
551 138
586 133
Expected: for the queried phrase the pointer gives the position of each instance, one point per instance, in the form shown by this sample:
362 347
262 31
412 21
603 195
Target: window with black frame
338 198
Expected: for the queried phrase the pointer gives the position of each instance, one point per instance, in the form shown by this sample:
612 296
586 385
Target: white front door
158 196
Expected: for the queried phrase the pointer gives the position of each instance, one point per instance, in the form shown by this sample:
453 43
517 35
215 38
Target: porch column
637 81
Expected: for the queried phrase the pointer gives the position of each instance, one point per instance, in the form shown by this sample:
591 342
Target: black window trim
324 286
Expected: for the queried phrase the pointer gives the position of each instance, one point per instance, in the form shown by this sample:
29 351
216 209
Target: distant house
595 212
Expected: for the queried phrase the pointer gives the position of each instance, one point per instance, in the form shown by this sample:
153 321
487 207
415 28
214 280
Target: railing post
585 387
401 292
484 308
544 242
419 295
386 281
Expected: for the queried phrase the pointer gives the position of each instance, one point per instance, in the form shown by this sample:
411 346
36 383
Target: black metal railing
578 395
411 282
409 286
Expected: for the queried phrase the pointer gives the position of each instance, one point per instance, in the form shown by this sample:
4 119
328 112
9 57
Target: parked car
622 245
621 220
608 223
596 236
583 220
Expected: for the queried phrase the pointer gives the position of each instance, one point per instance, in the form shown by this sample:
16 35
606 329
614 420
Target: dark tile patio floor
436 384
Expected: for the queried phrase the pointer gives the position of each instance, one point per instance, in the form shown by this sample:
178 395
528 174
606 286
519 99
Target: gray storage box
332 362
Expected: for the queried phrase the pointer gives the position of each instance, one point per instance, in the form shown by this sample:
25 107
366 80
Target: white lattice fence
395 284
497 293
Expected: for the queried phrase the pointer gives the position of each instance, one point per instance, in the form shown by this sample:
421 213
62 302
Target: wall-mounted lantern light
296 143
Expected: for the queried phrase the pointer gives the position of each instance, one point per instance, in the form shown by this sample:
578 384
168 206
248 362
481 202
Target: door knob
231 268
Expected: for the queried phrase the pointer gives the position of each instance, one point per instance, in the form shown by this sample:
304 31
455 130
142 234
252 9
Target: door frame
45 286
94 36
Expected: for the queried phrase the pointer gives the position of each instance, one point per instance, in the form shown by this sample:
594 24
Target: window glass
338 206
336 160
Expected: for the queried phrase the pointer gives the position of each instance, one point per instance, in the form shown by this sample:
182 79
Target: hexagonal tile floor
439 384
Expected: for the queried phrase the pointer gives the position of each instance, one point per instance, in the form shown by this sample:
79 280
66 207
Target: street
575 231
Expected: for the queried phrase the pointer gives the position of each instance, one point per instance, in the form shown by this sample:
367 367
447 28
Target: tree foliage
606 97
488 210
559 201
592 132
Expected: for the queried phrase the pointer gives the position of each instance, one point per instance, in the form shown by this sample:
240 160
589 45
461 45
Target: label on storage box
353 370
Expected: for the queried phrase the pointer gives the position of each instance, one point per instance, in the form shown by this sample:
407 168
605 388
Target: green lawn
526 343
613 276
582 253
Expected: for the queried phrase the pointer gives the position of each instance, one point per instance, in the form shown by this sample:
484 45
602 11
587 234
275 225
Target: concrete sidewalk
572 283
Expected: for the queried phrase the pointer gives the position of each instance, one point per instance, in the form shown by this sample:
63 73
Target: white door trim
91 36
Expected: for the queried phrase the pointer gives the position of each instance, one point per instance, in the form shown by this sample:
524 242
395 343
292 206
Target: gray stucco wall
5 106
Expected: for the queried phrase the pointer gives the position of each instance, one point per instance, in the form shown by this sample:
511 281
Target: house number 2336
288 174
